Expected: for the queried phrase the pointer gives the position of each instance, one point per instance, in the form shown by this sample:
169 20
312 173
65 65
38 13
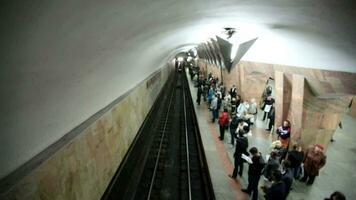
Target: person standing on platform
241 148
256 165
233 106
272 165
223 123
233 91
199 93
268 102
271 117
314 160
252 110
277 190
214 108
233 127
287 176
242 110
295 157
283 133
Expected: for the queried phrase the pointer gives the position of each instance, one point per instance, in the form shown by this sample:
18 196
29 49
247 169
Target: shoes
309 184
245 191
268 130
230 175
303 180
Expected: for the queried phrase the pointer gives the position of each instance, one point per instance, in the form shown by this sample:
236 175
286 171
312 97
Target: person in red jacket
223 123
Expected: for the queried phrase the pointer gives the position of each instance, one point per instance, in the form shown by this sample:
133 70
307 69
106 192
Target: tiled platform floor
338 174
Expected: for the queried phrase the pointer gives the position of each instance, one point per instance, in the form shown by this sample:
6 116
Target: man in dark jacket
287 176
277 190
241 148
199 93
233 126
295 157
254 173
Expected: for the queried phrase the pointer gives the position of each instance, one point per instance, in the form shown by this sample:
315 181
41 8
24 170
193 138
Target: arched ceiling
61 61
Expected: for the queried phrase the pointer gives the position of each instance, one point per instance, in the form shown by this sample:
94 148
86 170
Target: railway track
173 162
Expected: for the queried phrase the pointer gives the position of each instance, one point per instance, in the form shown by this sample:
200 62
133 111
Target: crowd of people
285 162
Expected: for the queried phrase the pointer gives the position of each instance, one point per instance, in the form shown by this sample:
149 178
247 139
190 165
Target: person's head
286 123
225 109
253 151
318 148
336 196
295 146
245 102
276 175
233 85
253 100
286 164
273 154
246 129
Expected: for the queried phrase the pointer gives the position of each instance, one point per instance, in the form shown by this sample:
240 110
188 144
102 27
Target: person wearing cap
314 160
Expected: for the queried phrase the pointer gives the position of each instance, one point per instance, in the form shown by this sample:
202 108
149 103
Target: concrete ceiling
62 61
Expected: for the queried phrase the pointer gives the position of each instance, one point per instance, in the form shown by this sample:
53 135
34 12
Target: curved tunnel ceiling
62 61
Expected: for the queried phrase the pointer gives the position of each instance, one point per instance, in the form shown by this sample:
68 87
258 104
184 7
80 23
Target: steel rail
160 147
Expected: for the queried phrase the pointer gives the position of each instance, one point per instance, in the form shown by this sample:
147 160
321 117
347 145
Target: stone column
296 106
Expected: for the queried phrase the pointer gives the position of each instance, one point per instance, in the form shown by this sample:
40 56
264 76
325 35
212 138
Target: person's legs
270 124
264 116
213 116
222 131
241 166
232 133
234 173
255 188
216 113
311 180
305 177
249 186
198 99
296 172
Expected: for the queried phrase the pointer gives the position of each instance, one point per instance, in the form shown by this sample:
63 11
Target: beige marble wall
83 168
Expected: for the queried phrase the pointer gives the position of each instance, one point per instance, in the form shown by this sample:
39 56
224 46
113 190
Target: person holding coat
283 133
241 148
314 160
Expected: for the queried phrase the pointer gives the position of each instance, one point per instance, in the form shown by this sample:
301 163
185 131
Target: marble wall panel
83 168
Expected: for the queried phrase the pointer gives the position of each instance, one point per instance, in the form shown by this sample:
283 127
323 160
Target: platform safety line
187 144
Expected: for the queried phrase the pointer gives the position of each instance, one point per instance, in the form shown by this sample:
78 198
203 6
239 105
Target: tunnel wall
83 167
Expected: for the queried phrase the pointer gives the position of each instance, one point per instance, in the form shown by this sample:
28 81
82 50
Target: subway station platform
338 174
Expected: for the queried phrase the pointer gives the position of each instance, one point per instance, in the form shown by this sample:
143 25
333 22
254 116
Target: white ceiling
62 61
